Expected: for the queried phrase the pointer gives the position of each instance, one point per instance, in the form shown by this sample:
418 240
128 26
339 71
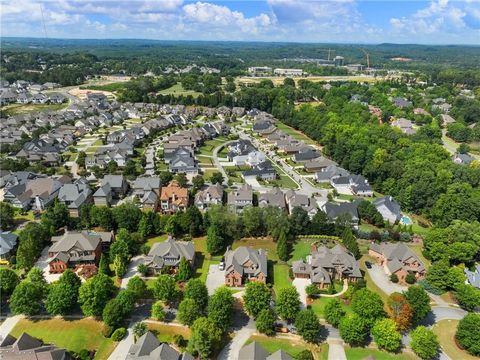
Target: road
216 162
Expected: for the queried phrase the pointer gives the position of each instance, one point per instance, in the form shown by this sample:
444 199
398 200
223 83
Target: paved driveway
215 278
300 285
42 264
132 270
336 350
383 282
231 350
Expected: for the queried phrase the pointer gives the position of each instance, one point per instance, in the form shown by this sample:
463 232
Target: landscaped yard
445 331
156 239
295 133
166 332
301 249
281 277
209 145
273 344
72 335
318 306
362 353
204 258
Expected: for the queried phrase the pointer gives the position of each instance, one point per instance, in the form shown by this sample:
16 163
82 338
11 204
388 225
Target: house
239 150
305 202
253 158
56 98
306 154
330 172
404 125
347 209
402 103
254 351
26 347
240 198
462 159
118 185
183 161
39 98
264 171
8 243
147 347
212 195
79 250
75 195
388 208
446 120
318 164
103 196
473 277
7 97
173 198
325 265
168 254
352 184
274 197
420 111
397 259
147 191
245 264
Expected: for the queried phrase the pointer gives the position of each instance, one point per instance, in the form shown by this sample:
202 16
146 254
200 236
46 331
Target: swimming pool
405 220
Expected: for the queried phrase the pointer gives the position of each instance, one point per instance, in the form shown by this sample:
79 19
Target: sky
333 21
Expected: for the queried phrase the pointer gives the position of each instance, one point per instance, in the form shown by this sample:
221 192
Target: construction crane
329 51
368 58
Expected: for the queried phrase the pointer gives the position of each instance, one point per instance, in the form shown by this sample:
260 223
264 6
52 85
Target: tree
8 281
288 303
468 333
350 242
419 302
410 278
120 249
158 313
142 269
353 330
385 334
36 277
257 297
94 294
56 215
307 325
31 240
194 220
196 290
184 270
127 216
127 299
424 343
113 314
282 247
138 287
198 182
220 307
102 216
288 82
215 243
7 214
265 322
103 266
304 355
164 288
399 310
188 311
467 296
149 224
394 278
26 299
139 329
181 179
253 221
120 266
63 294
334 312
217 178
368 212
205 338
321 224
299 221
368 305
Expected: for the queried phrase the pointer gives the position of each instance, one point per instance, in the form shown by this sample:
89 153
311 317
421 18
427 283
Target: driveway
300 285
231 350
132 270
336 350
383 282
215 278
42 264
121 351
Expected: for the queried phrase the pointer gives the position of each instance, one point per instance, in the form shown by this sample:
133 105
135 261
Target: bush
312 290
394 278
107 331
410 278
468 333
304 355
429 287
158 313
119 334
178 340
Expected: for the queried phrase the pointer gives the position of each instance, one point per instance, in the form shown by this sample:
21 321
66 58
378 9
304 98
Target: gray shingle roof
235 259
252 351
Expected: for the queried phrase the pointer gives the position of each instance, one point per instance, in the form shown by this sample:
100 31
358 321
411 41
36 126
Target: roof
148 347
173 189
115 181
252 351
274 197
331 171
398 255
84 240
235 259
27 347
473 277
173 248
390 203
8 240
333 210
244 193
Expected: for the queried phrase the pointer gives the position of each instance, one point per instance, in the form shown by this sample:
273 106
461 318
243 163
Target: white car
221 266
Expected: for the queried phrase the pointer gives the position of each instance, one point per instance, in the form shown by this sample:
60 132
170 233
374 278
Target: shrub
468 333
429 287
304 355
178 340
107 331
410 278
158 313
312 290
119 334
394 278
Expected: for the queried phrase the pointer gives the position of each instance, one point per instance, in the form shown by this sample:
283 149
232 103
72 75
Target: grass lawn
165 332
273 344
209 145
208 172
295 133
280 277
445 331
156 239
205 259
28 216
266 243
178 90
301 249
318 306
14 109
71 335
362 353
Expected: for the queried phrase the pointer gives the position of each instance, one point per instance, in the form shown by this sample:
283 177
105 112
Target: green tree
353 330
385 334
103 266
102 216
120 266
307 325
299 221
7 214
215 243
27 299
419 301
158 312
368 305
304 355
139 329
334 312
220 307
8 281
57 215
184 270
149 224
164 288
217 178
36 277
256 298
127 216
265 322
181 179
205 338
350 242
197 183
424 343
138 287
288 303
32 240
282 247
94 294
467 296
188 311
196 290
113 314
468 333
63 295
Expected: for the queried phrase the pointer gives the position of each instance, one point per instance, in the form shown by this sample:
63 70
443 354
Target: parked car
221 266
368 264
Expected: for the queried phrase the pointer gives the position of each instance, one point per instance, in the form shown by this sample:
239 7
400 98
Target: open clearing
178 90
15 109
445 331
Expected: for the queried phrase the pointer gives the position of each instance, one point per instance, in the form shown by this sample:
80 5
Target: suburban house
8 243
245 264
274 197
111 187
238 151
168 254
446 120
462 159
397 259
240 198
264 171
212 195
347 209
325 265
75 195
147 347
402 103
330 172
404 125
305 202
146 189
79 250
473 277
318 164
352 184
306 154
173 198
254 351
183 161
26 347
388 208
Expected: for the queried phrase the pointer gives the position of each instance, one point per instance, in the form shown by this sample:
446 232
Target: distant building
212 195
288 72
405 125
274 197
338 60
260 70
462 159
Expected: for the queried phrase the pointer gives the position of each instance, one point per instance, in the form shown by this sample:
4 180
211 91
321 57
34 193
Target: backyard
290 346
363 353
15 109
165 333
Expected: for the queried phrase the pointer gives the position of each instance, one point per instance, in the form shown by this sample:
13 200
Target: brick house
167 254
173 198
245 264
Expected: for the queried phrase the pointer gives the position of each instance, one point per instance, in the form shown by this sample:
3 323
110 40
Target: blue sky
347 21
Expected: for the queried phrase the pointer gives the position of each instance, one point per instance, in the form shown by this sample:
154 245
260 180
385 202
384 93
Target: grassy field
204 258
178 90
445 331
112 87
266 243
14 109
209 145
318 306
156 239
362 353
71 335
165 332
280 277
295 133
273 344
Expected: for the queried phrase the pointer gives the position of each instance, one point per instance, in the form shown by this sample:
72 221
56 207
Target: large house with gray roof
397 258
325 265
111 187
26 347
388 208
148 347
212 195
347 209
146 189
254 351
167 255
274 197
75 195
245 264
473 277
8 243
240 198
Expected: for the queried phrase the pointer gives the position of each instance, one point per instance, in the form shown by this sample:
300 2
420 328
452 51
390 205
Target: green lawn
273 344
280 277
209 145
156 239
445 330
362 353
71 335
295 133
318 306
204 258
15 109
165 333
178 90
112 87
301 249
266 243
